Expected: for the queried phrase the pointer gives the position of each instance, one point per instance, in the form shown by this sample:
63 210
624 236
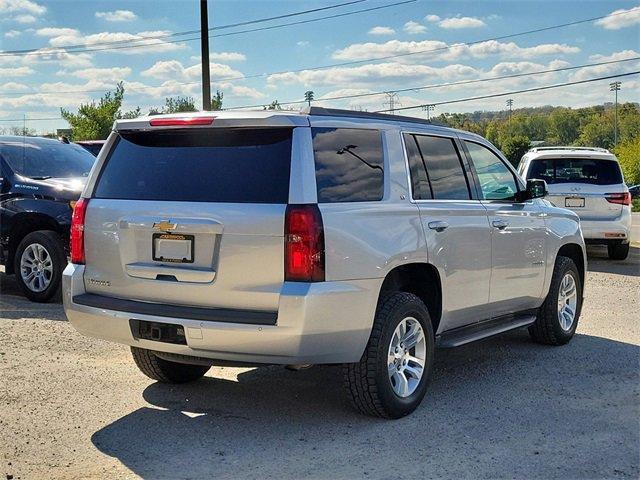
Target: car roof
27 139
290 118
569 152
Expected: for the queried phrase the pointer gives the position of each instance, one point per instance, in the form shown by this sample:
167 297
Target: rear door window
444 168
349 164
576 170
201 165
420 188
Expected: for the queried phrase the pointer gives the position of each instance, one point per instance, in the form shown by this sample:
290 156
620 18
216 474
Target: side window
420 188
349 164
496 180
444 168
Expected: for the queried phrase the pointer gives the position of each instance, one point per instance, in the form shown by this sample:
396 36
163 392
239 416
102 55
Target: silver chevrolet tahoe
319 237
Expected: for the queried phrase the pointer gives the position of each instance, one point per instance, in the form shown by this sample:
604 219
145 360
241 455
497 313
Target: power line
353 62
450 84
50 50
514 92
189 32
358 95
448 102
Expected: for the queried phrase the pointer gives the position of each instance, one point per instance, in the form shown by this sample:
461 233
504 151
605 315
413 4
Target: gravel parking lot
74 407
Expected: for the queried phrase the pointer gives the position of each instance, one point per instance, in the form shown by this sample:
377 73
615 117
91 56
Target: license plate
172 247
574 202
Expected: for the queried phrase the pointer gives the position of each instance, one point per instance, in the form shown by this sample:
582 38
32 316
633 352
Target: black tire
54 245
547 329
619 251
367 382
166 371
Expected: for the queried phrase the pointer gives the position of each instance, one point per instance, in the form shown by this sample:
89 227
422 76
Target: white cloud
432 18
303 43
56 32
25 19
620 19
440 51
603 70
114 74
228 56
381 31
15 6
13 33
16 72
175 70
373 74
414 28
151 45
12 86
461 22
222 56
59 56
117 16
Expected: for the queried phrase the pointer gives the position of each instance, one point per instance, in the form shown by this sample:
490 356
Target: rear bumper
617 229
326 322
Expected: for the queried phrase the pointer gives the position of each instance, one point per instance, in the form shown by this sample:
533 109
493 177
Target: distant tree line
549 126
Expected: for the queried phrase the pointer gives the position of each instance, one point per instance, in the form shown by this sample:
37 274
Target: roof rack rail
337 112
590 149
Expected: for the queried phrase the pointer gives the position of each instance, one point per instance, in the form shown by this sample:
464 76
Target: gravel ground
74 407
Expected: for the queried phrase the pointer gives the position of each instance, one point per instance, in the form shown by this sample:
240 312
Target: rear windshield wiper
43 177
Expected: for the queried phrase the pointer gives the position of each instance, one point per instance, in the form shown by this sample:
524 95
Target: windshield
42 159
576 170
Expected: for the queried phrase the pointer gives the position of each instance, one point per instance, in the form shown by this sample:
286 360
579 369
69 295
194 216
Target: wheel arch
22 225
576 253
421 279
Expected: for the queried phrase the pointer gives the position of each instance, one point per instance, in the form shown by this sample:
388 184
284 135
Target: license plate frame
159 257
574 202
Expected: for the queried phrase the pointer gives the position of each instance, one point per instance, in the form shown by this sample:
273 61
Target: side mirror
536 188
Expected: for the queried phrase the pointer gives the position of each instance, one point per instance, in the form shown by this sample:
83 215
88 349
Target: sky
453 40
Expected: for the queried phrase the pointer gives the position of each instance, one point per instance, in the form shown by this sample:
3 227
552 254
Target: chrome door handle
500 224
438 225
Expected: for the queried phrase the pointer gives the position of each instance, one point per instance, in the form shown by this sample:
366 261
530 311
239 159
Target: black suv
40 180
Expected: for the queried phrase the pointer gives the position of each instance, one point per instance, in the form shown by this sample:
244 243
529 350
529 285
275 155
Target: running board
487 328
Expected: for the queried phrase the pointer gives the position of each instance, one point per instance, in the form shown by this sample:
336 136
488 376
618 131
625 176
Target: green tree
308 96
515 147
597 131
564 127
94 120
179 104
629 156
275 105
216 101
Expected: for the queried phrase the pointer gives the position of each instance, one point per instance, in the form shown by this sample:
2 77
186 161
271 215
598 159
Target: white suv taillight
303 244
77 231
620 198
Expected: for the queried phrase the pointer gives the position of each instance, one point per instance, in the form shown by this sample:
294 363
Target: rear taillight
77 231
177 121
620 198
303 244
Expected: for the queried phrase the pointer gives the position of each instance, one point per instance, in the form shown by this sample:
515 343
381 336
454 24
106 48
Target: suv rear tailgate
191 217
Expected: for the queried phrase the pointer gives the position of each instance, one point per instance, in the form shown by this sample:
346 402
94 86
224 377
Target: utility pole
615 87
510 105
204 52
392 101
428 109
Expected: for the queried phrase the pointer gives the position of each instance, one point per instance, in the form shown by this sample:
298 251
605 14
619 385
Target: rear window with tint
576 170
349 164
213 165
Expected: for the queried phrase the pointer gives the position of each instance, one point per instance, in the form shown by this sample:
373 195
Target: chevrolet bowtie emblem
165 226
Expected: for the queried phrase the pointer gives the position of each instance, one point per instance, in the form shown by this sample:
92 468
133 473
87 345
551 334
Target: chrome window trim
408 170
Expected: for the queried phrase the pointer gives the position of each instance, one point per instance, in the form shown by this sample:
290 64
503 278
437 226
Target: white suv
589 182
320 237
